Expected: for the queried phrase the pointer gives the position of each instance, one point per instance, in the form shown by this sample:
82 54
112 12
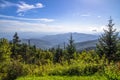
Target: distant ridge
86 45
78 37
50 41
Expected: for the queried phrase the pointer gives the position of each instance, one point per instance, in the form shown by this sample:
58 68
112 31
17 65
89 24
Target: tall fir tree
16 38
71 48
15 45
108 41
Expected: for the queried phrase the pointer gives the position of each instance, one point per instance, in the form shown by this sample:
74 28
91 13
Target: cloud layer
21 6
22 26
27 19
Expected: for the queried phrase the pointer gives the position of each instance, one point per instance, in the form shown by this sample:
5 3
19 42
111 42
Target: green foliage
87 63
112 72
94 77
5 50
108 43
58 70
58 56
43 57
13 70
83 71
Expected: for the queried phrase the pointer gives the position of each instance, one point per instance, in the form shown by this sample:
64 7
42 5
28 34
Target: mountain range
82 41
43 41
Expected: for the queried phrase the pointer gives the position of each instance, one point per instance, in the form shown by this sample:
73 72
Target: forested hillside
22 61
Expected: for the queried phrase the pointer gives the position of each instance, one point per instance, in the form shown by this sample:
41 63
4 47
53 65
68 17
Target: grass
62 78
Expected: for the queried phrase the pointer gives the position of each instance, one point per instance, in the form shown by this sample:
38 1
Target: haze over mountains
44 41
81 40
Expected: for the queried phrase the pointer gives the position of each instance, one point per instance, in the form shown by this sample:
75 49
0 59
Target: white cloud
20 14
46 20
21 6
28 19
39 5
97 29
20 26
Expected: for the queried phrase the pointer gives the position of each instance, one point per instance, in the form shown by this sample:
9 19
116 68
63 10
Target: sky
58 16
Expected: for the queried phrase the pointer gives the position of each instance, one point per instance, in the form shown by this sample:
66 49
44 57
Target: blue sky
83 16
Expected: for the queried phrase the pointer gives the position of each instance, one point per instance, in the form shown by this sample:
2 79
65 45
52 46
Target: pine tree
16 38
71 48
108 41
15 45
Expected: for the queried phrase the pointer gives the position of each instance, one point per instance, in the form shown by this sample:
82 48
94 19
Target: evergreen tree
71 48
58 55
15 46
16 38
107 44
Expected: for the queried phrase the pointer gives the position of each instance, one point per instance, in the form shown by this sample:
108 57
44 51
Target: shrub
58 69
14 70
112 72
74 71
82 70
